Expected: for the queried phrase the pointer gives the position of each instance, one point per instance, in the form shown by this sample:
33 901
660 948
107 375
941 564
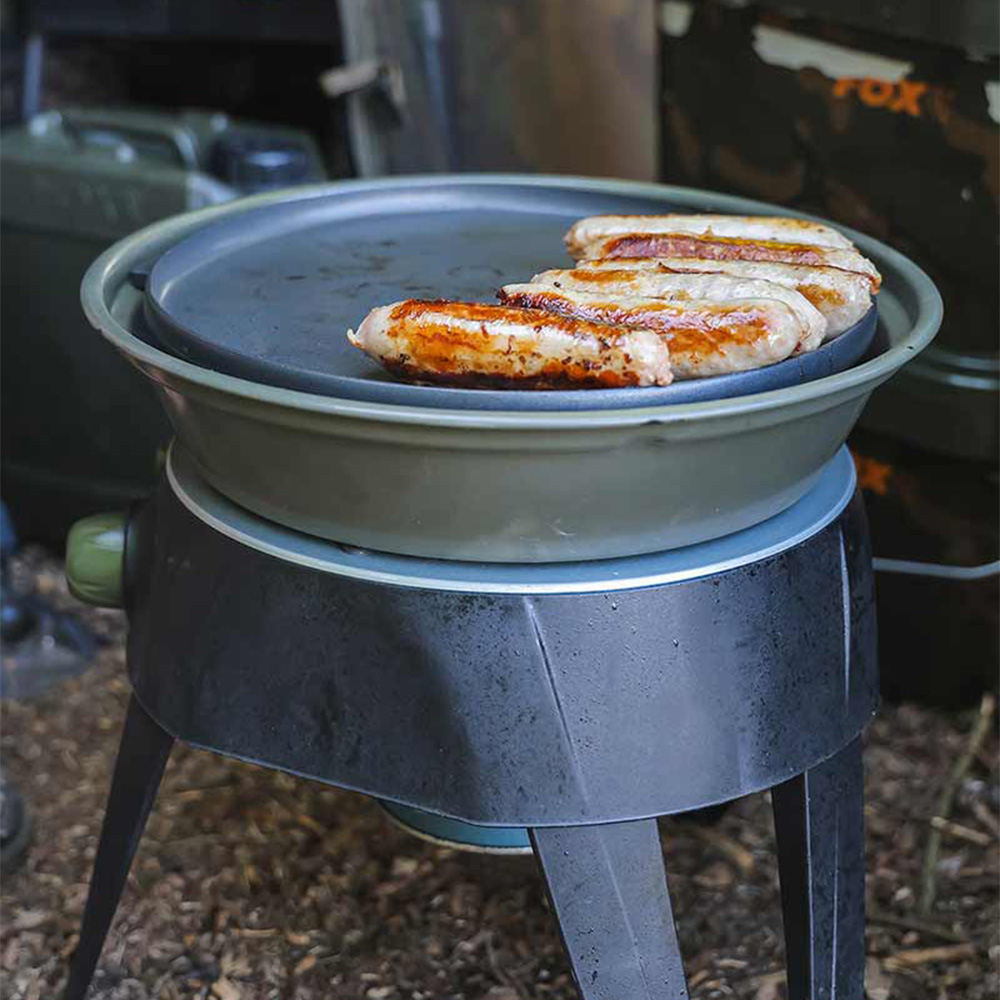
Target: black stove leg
819 819
609 890
142 757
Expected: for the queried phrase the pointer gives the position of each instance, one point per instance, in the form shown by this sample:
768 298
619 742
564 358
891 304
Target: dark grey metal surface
269 294
972 25
506 709
609 892
819 820
145 748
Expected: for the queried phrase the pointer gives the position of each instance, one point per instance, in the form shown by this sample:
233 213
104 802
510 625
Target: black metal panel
267 20
506 710
968 24
99 17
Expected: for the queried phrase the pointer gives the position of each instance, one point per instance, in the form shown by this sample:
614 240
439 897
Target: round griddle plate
269 293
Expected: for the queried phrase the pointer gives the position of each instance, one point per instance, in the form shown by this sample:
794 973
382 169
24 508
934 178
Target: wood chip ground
251 884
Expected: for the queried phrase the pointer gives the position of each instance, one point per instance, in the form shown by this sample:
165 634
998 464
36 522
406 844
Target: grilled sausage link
843 297
705 338
660 284
598 228
496 346
720 248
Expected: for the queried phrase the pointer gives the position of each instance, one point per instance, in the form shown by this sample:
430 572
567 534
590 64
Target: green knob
95 551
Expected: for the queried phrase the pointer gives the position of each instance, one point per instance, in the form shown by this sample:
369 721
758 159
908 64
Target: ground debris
252 884
878 985
941 819
921 956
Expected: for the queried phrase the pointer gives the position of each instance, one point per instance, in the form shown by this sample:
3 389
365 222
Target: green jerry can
80 431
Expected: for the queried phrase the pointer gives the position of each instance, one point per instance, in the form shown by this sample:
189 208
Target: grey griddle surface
268 294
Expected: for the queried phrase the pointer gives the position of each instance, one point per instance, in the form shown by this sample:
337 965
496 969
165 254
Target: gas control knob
95 559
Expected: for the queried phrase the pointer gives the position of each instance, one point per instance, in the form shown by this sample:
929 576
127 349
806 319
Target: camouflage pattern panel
894 136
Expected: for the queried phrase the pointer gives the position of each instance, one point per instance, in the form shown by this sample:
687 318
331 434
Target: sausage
843 297
598 228
497 346
719 248
705 338
660 284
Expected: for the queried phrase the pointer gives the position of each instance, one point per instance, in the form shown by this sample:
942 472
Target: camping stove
554 707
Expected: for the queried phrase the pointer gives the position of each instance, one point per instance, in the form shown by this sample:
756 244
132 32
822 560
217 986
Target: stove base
562 708
607 881
606 692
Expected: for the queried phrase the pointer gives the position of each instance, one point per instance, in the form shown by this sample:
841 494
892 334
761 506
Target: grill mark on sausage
575 375
639 245
697 334
455 343
418 309
822 296
819 295
712 248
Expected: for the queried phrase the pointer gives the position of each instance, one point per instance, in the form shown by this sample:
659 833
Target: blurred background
882 117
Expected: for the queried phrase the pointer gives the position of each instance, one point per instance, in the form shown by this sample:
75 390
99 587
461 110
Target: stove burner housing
568 704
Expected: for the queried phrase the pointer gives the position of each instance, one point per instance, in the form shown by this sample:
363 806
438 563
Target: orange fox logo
899 97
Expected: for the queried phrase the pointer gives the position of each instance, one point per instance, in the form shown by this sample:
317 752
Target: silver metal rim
111 270
452 845
819 507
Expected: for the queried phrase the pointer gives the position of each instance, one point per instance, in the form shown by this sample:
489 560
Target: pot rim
109 272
